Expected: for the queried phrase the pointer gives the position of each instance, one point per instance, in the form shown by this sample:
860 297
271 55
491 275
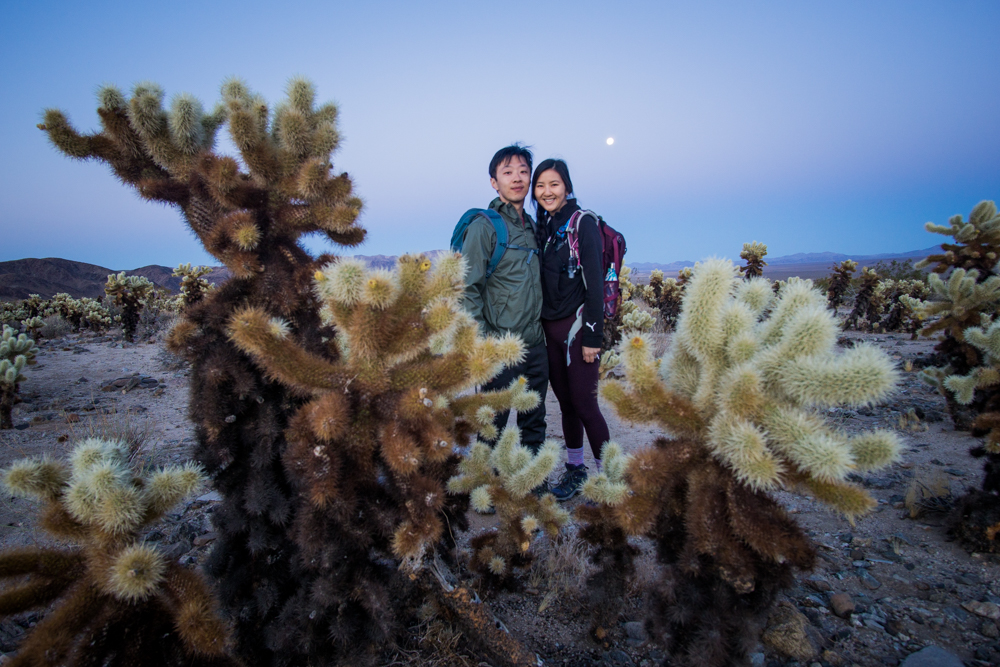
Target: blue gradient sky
837 126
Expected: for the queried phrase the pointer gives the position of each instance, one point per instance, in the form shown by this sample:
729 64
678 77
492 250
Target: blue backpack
458 236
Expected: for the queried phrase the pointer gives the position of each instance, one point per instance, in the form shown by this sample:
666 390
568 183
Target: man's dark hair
560 168
505 155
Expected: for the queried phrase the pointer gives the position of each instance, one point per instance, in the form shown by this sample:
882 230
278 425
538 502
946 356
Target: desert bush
899 270
738 390
54 326
16 352
118 601
325 397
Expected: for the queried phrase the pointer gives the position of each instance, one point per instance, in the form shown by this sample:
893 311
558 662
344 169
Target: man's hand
590 354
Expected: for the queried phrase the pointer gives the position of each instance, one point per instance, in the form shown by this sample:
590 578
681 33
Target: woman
572 316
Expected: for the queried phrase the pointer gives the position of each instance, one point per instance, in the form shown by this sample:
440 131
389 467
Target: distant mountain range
46 277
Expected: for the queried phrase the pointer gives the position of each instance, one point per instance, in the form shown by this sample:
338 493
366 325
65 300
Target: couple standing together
539 290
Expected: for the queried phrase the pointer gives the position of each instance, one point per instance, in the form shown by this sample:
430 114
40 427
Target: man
511 298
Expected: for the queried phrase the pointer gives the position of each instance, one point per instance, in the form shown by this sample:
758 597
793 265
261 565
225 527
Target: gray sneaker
570 482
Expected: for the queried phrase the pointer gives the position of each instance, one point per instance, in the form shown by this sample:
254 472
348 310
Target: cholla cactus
371 451
504 478
16 352
665 295
867 312
840 281
96 316
603 528
130 293
32 325
901 316
738 392
193 286
118 600
634 319
977 242
754 254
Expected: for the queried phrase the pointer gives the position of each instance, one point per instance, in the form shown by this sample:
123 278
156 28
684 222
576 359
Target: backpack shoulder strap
500 227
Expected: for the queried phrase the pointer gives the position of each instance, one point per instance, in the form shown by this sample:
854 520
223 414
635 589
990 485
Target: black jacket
562 294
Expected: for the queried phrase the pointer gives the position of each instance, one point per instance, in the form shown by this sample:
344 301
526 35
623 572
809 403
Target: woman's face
550 191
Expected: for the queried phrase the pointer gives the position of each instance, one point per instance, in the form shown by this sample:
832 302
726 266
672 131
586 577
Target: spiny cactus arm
964 386
755 293
535 472
41 478
475 471
653 404
804 439
862 375
844 497
766 527
989 424
699 329
268 342
875 449
743 446
56 636
195 612
796 296
167 487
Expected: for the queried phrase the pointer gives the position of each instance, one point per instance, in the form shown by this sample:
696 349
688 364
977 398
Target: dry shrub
125 427
562 566
929 495
54 327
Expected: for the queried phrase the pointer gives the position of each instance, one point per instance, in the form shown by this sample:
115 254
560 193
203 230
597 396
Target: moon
611 140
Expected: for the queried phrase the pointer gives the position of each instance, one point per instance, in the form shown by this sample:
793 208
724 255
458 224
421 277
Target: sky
809 126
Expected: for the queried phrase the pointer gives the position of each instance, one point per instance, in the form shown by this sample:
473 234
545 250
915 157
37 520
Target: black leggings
575 385
535 369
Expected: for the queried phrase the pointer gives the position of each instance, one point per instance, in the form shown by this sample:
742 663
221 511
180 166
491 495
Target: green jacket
511 300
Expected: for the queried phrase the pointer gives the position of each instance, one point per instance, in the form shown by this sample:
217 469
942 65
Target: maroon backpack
612 256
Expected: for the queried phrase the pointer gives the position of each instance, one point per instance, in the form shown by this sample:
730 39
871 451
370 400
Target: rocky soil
883 591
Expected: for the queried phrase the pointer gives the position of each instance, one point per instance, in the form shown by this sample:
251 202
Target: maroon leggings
575 385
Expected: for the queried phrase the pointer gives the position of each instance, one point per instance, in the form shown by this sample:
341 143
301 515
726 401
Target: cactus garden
297 471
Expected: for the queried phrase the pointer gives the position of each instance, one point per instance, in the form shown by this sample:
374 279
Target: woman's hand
590 354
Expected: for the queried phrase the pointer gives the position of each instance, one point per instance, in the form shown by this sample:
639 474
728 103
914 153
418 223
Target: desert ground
883 589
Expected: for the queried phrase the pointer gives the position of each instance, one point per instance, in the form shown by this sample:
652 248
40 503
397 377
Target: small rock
968 579
985 609
636 630
202 540
176 550
857 554
21 426
786 633
757 660
83 379
818 583
841 604
989 629
72 418
868 581
618 658
931 656
211 496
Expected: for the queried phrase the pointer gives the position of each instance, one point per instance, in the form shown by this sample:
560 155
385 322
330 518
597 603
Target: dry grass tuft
929 495
561 566
135 432
54 327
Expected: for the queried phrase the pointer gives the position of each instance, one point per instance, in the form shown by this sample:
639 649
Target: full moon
611 140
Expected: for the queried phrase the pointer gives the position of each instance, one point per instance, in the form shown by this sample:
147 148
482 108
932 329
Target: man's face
512 181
